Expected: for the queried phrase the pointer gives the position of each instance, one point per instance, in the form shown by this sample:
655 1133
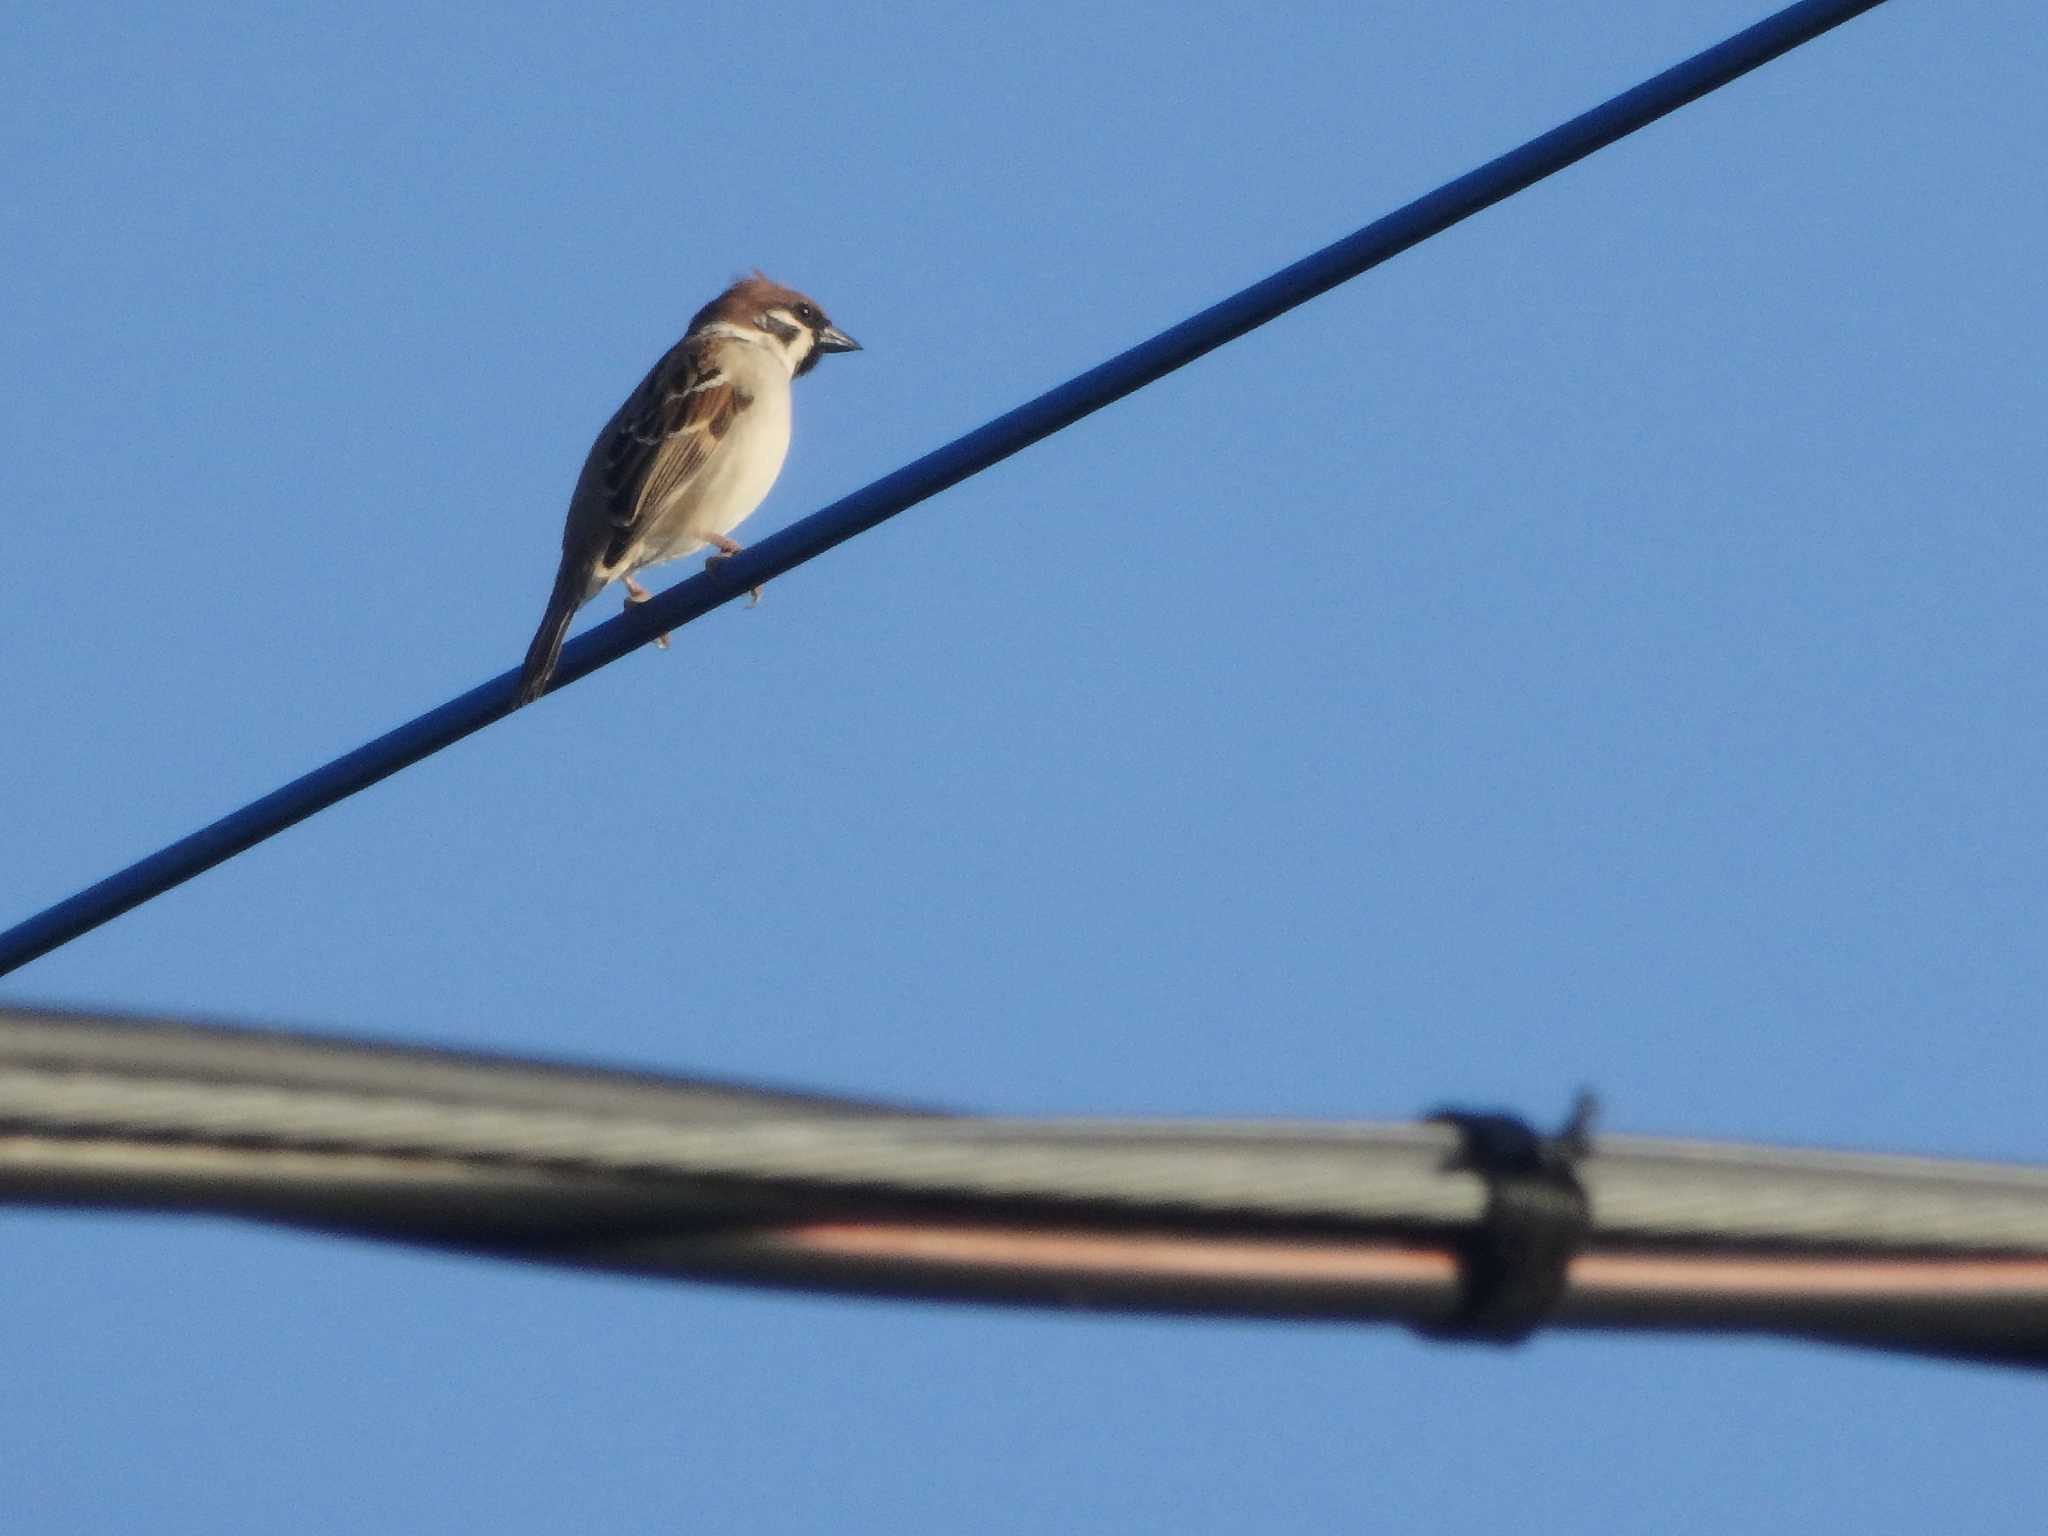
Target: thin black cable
936 471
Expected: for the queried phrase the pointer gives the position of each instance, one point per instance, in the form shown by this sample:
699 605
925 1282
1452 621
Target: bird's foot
637 594
727 549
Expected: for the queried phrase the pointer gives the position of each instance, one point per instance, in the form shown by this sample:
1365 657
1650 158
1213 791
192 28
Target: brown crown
749 297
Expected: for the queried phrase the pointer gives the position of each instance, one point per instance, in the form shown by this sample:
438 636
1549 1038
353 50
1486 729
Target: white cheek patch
793 339
774 334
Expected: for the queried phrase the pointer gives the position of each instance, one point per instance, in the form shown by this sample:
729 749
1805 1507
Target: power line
938 470
689 1179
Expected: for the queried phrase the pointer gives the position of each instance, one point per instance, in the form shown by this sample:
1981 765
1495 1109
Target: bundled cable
1268 1218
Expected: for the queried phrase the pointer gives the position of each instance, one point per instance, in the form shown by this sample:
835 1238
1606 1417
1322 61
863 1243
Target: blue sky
1602 646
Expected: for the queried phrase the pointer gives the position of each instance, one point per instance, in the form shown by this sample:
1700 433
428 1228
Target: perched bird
689 455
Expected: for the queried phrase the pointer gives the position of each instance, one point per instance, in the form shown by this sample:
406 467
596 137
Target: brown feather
747 298
661 437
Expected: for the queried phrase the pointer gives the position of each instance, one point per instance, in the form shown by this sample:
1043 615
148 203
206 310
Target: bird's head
789 322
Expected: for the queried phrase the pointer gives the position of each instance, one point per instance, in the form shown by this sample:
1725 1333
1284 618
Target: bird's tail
547 640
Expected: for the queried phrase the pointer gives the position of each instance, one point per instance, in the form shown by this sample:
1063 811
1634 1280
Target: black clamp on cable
1513 1264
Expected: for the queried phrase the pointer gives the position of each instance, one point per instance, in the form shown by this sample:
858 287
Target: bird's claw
637 594
712 561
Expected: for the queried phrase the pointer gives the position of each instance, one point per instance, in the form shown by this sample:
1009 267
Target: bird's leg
635 593
727 548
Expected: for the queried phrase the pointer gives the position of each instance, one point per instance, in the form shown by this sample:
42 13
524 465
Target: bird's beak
833 339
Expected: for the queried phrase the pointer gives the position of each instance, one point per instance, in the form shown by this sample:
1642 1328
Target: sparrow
690 454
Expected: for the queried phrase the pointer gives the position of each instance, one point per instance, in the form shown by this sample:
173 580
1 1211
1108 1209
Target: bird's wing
658 441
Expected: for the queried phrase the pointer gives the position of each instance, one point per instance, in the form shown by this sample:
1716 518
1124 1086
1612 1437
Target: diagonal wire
943 467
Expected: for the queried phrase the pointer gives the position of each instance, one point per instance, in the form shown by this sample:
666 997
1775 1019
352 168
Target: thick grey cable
715 1182
1356 1176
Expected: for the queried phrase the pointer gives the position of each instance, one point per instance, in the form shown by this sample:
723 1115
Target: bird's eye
807 313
